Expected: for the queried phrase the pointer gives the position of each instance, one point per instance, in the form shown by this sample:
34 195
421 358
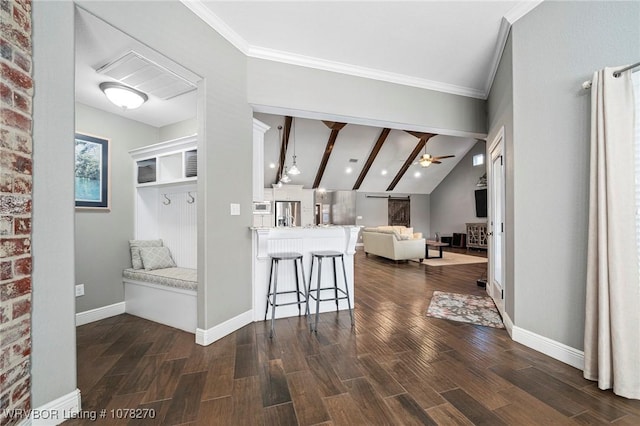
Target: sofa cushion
401 232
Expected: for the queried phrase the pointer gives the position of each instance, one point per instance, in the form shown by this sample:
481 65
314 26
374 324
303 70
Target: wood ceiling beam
421 143
418 135
372 156
335 129
283 146
333 125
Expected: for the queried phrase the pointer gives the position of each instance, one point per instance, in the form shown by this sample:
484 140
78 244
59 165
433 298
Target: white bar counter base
303 240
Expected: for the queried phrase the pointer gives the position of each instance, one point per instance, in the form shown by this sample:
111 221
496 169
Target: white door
496 183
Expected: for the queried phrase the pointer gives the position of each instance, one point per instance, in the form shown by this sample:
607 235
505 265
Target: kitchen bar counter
303 240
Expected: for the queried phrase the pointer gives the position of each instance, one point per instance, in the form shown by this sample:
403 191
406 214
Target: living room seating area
394 242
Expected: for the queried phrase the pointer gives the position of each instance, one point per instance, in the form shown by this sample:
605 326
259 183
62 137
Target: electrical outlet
79 290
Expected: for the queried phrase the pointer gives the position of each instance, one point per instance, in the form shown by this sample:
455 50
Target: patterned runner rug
479 310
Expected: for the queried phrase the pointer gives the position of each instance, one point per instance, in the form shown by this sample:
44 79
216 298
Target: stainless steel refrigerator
287 213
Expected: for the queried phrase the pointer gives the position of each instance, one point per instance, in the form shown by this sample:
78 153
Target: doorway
496 174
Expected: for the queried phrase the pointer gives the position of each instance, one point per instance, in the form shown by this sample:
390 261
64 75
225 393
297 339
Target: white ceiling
451 46
98 43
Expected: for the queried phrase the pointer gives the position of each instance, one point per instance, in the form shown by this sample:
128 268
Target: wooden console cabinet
477 235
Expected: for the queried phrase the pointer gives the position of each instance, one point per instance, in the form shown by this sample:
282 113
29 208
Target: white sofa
394 242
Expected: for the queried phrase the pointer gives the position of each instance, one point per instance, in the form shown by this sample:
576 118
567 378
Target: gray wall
453 201
555 48
374 211
179 129
53 359
226 126
101 237
291 87
500 105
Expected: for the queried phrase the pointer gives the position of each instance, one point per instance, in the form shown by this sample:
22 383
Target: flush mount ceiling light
123 96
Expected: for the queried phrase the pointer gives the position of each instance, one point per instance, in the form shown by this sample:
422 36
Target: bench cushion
184 278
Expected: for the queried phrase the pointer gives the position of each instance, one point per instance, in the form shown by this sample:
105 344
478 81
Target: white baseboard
508 324
208 336
55 412
97 314
556 350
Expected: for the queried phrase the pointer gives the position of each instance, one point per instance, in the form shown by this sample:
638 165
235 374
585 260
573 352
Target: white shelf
165 163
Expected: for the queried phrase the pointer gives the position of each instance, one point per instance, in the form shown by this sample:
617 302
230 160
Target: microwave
262 207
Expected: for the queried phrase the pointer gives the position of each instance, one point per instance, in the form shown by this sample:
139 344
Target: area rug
451 258
479 310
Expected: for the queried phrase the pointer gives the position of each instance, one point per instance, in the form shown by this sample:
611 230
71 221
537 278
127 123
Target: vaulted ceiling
352 147
449 46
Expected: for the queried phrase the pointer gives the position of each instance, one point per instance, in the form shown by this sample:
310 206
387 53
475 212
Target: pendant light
284 177
294 167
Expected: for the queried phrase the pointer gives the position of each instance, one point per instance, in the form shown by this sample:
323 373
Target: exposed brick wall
16 100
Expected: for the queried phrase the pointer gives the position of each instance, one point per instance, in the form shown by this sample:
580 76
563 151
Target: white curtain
612 325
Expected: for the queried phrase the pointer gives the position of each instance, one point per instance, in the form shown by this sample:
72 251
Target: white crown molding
520 10
203 12
503 34
508 20
357 71
199 8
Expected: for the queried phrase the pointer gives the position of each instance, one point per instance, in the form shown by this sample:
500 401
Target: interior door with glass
496 222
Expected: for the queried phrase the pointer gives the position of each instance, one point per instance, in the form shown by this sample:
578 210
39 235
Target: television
481 202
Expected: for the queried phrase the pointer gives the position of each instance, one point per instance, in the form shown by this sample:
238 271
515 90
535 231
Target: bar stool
319 256
273 277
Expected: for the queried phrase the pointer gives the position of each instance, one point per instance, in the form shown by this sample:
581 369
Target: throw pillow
156 258
134 245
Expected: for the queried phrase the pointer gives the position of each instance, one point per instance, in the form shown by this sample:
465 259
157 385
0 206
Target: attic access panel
142 74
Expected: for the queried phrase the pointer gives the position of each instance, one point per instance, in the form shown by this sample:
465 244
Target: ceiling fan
426 159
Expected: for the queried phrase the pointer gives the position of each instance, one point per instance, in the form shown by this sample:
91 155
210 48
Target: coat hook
167 200
191 199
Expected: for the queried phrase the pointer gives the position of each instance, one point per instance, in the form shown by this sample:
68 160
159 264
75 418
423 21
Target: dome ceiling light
123 96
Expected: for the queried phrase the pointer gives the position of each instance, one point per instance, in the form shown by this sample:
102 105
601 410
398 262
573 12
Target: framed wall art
92 185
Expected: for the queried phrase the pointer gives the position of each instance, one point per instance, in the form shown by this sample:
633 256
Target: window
478 160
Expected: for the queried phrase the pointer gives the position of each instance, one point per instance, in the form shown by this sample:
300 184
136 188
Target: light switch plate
79 290
234 209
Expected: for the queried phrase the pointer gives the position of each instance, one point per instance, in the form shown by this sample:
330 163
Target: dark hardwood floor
397 367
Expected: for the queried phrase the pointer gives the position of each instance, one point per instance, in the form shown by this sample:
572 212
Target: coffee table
438 244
